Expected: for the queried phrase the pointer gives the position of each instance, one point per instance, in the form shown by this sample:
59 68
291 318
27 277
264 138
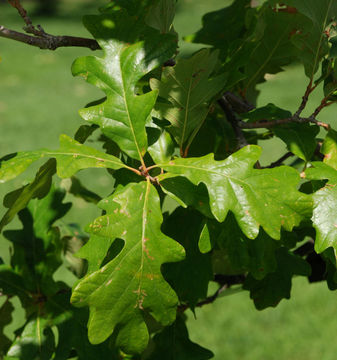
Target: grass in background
39 100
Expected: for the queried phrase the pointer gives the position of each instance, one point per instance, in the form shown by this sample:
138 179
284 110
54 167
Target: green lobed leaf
131 283
122 116
276 286
266 197
188 89
71 157
173 343
72 330
324 207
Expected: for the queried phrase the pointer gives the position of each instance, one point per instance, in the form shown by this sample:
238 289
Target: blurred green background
39 100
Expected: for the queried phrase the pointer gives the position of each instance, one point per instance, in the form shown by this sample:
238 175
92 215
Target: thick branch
48 41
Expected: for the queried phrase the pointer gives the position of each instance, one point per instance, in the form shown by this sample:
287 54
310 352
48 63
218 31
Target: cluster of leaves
182 130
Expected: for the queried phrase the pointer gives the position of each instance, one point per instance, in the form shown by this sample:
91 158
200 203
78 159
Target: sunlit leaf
267 197
126 60
131 283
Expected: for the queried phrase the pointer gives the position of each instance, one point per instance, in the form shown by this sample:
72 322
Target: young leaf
131 283
324 209
267 197
277 285
123 115
188 89
173 343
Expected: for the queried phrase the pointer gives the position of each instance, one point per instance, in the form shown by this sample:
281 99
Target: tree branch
41 39
233 120
280 161
48 41
268 124
225 282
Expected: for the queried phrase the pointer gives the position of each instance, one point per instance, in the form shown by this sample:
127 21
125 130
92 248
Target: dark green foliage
190 202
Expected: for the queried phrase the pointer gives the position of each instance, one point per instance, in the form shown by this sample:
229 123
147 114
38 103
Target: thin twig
305 98
280 161
324 103
233 120
225 281
293 119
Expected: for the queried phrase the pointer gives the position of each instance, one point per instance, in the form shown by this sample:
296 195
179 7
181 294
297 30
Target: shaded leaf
300 138
267 197
238 254
188 89
38 188
173 343
123 115
311 39
163 147
161 14
270 47
223 28
268 112
186 193
189 278
131 282
36 342
37 247
5 319
276 286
